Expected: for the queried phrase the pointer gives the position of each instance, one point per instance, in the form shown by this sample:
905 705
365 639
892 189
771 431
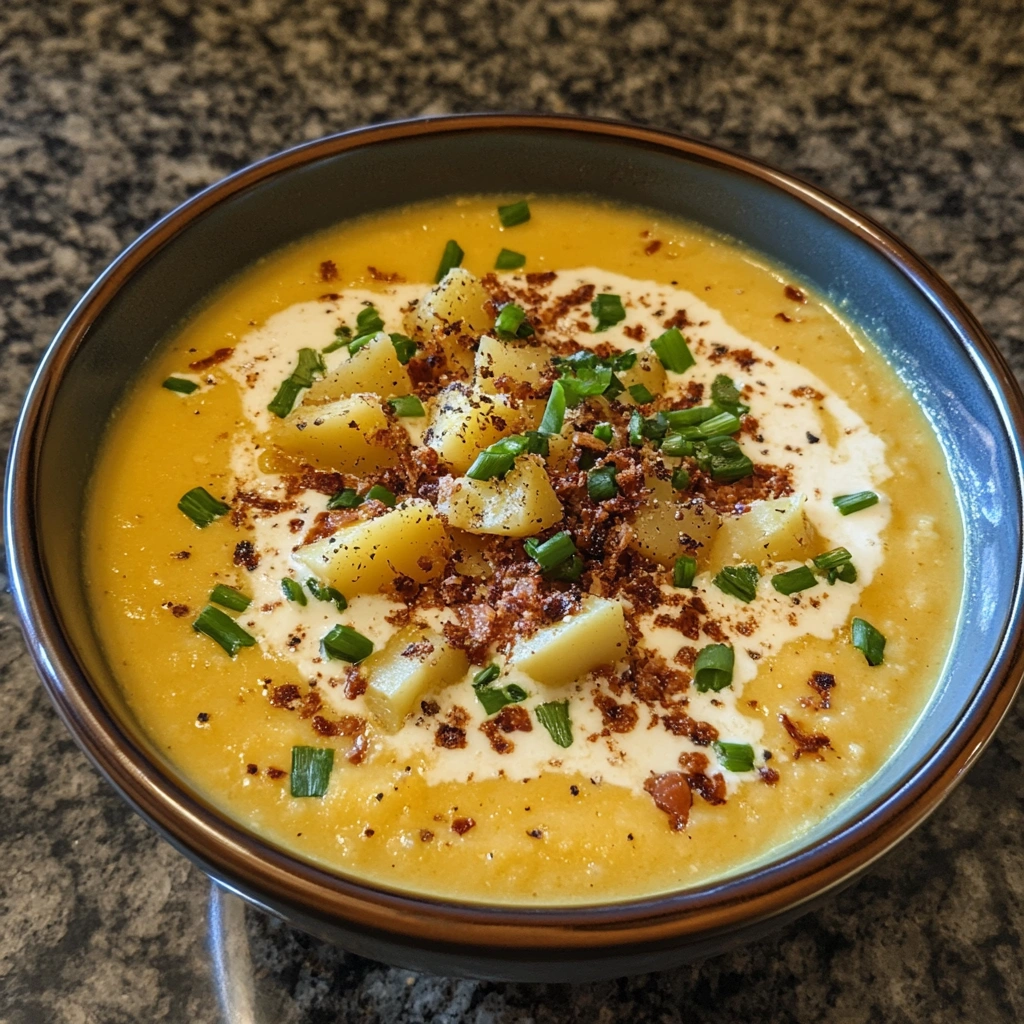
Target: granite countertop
112 112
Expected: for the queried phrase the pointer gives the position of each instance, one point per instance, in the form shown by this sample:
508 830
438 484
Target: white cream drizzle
854 462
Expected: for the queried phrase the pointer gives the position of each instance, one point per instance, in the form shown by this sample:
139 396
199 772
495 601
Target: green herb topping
684 571
735 757
180 385
322 592
228 597
713 668
378 492
407 405
868 641
310 366
345 498
292 590
514 214
554 716
738 581
405 348
212 622
202 507
311 770
795 580
671 348
601 483
850 503
450 258
509 260
608 310
343 643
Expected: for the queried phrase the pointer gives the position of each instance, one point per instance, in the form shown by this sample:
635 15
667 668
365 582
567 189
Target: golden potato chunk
411 540
459 298
413 662
566 651
374 368
339 435
648 371
516 360
666 528
772 531
521 505
463 422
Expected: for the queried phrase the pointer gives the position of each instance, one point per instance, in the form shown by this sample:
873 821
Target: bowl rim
229 852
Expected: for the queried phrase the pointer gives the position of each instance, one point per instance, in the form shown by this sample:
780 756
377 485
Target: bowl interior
926 346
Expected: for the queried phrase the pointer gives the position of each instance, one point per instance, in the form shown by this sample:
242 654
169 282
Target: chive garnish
228 597
407 405
846 573
345 498
368 321
511 322
608 310
680 478
795 580
601 483
635 430
293 590
405 348
726 395
202 507
640 394
487 675
450 258
673 351
311 770
735 757
603 432
675 444
722 459
496 460
554 411
310 366
509 260
554 716
678 418
868 641
553 552
212 622
342 336
358 344
684 571
322 592
378 492
180 385
850 503
738 581
837 564
494 698
514 214
343 643
713 668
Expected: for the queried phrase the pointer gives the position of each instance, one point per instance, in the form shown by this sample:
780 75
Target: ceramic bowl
925 331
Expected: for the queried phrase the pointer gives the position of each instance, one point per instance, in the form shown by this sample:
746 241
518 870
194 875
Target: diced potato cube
521 505
413 662
470 554
458 298
568 650
411 540
520 362
772 531
463 422
648 371
374 368
340 436
666 528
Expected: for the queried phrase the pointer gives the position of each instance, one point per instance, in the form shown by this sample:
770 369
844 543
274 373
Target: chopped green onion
738 581
311 770
494 698
368 321
847 573
486 676
713 668
554 411
833 559
358 344
496 460
726 395
554 716
212 622
684 571
343 643
675 443
608 310
718 426
228 597
180 385
293 590
342 336
345 498
850 503
603 432
795 580
509 319
202 507
555 550
601 483
735 757
322 592
509 260
378 492
568 572
678 418
407 405
309 367
868 641
640 394
450 258
722 459
405 348
680 478
671 348
537 443
514 214
636 428
285 398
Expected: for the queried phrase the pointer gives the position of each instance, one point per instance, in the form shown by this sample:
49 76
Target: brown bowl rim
237 857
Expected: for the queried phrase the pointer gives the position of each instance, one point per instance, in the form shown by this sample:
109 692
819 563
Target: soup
600 560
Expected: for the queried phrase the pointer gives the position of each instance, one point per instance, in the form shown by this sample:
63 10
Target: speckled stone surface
112 113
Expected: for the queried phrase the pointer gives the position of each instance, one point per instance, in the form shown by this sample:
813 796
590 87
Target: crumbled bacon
671 794
460 826
822 683
615 716
806 743
328 271
245 555
212 360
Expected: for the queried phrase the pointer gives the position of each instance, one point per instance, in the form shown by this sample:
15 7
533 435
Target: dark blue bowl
925 331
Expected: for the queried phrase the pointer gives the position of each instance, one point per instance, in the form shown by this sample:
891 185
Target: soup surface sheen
450 803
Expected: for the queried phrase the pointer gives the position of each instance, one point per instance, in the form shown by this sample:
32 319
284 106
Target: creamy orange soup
678 686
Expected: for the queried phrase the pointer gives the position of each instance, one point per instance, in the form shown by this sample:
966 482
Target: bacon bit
294 525
430 707
712 788
678 319
311 704
284 696
794 294
276 773
540 278
355 684
784 318
745 358
328 271
616 717
327 523
769 776
426 835
671 794
179 611
510 718
535 833
450 736
328 297
460 826
687 622
347 725
269 505
806 391
218 357
380 275
654 680
693 762
703 734
358 750
181 554
715 631
252 769
822 683
245 555
806 743
652 248
637 332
